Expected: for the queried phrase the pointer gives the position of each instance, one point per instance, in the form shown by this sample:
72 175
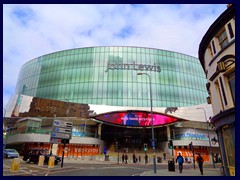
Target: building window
223 91
231 81
210 51
214 49
222 38
230 30
219 93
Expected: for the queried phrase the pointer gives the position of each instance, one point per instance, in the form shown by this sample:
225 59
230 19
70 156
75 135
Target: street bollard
41 161
51 162
15 165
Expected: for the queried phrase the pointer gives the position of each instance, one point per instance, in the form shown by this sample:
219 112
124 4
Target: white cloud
33 30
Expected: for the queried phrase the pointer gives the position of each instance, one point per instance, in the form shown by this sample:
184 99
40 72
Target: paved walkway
185 172
23 171
208 170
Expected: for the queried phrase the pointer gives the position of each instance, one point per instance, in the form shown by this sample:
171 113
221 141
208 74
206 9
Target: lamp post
64 143
67 113
210 146
4 112
153 139
5 133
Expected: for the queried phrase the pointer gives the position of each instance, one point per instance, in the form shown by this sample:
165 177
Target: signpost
62 130
60 123
55 141
61 133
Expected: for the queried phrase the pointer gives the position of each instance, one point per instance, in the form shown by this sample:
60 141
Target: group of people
179 160
134 158
199 160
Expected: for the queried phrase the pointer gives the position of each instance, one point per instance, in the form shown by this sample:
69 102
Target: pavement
207 170
185 172
35 170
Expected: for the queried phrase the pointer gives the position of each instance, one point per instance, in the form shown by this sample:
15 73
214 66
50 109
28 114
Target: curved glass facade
108 75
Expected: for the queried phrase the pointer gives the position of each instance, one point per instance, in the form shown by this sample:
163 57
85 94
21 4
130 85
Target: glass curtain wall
108 75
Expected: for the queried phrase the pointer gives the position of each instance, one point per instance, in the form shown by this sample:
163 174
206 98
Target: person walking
200 163
164 157
146 158
134 158
123 158
180 162
126 158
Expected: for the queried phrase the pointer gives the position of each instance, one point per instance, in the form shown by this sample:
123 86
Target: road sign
56 141
153 143
60 135
59 123
62 130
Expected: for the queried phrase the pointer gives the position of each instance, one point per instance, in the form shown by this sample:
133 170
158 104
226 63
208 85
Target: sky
33 30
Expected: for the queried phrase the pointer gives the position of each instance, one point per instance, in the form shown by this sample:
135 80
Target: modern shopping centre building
109 93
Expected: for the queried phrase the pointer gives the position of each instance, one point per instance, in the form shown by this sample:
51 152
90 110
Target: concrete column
168 132
99 131
54 149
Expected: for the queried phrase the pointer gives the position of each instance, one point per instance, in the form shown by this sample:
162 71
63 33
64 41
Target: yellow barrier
41 161
15 164
51 162
231 170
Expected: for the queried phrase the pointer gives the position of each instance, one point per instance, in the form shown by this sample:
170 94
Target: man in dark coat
200 163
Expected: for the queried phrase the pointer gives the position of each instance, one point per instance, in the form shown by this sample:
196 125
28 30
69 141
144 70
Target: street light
153 143
64 143
67 113
210 146
6 130
4 112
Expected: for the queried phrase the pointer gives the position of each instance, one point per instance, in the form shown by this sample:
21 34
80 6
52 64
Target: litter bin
15 165
159 159
171 166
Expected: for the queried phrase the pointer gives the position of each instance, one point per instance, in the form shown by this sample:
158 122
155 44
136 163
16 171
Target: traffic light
116 146
191 146
105 150
145 147
170 144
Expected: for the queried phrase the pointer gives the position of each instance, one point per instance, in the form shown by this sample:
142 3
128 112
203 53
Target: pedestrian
180 162
200 163
146 158
123 157
134 158
126 158
139 158
219 159
164 157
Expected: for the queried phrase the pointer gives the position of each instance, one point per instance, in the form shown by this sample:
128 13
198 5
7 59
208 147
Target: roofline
227 15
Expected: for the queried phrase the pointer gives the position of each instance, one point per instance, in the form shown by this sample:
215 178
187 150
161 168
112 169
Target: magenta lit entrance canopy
135 118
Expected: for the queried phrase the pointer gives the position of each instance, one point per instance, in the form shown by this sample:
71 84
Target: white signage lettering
134 66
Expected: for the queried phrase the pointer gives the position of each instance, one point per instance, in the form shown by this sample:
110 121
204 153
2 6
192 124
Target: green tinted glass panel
96 75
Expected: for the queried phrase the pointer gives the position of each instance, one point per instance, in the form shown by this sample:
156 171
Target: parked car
34 154
10 153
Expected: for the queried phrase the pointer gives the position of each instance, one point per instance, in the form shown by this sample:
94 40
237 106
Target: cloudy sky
33 30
